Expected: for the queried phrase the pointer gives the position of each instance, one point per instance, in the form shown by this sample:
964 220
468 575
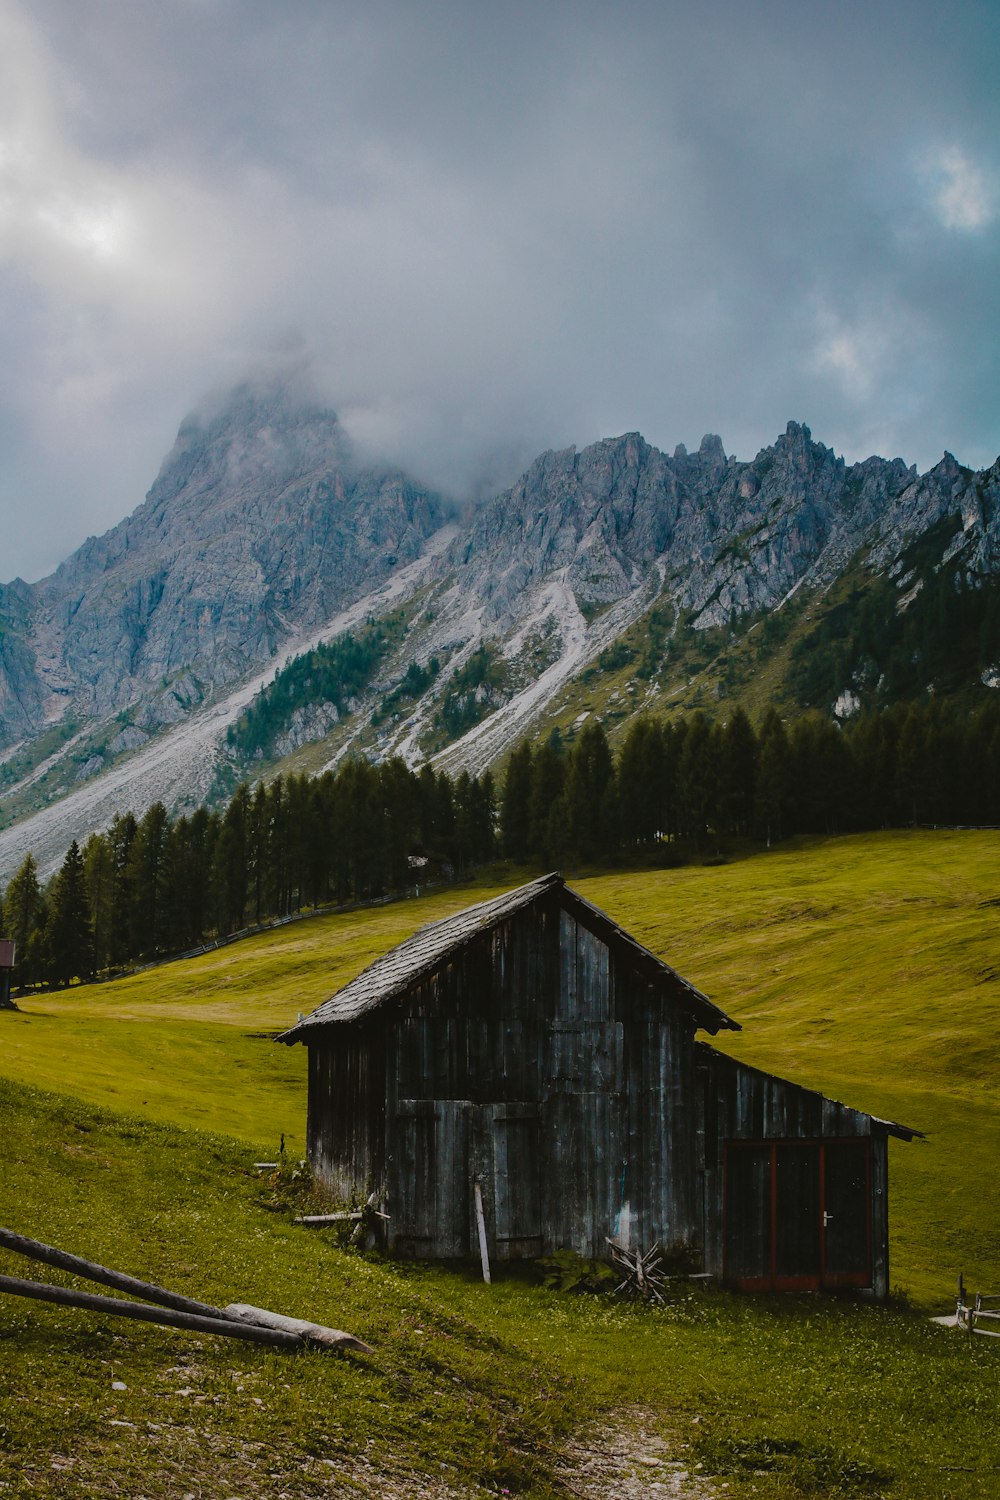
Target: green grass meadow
132 1112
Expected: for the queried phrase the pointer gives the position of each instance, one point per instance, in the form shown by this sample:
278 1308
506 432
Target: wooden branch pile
236 1321
363 1219
640 1274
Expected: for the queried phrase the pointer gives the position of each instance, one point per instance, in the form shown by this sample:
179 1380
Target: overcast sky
490 229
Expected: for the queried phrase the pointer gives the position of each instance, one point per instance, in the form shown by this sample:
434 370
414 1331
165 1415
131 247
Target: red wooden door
797 1214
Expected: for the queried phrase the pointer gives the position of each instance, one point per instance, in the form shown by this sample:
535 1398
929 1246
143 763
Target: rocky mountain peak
259 434
712 449
255 527
949 472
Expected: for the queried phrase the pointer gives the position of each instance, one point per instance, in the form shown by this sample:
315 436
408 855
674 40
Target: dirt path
626 1459
623 1457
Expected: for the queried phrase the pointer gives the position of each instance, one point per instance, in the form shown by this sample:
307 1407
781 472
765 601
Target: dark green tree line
159 885
688 780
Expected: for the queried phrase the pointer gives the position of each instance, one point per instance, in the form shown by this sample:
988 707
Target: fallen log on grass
239 1320
48 1255
342 1216
361 1218
146 1312
312 1333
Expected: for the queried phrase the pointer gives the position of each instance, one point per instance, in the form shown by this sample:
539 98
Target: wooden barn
530 1046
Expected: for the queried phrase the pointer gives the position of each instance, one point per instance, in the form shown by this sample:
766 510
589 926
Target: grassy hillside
867 967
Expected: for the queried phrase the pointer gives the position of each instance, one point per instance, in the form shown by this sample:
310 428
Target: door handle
826 1218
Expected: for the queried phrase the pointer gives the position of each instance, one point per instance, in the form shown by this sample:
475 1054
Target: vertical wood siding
544 1063
345 1135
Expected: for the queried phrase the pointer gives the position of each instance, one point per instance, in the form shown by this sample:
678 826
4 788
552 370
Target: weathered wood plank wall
543 1062
345 1134
576 1073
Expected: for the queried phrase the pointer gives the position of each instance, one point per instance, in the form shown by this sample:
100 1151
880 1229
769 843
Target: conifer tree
36 958
99 876
674 736
400 801
640 796
69 935
738 768
911 755
120 837
145 874
258 851
820 775
25 919
318 853
359 827
465 817
229 867
445 817
438 832
297 791
485 794
546 830
589 795
514 804
772 778
697 779
277 899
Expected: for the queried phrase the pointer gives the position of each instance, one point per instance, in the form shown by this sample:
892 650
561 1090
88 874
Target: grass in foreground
471 1385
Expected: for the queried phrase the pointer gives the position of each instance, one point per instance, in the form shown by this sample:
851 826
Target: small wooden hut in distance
530 1046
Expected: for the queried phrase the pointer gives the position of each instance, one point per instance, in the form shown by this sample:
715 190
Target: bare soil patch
627 1458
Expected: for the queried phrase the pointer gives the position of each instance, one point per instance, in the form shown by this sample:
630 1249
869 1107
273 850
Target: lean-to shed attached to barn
531 1046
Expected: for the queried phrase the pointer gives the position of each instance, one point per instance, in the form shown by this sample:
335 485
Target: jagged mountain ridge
730 535
583 543
259 533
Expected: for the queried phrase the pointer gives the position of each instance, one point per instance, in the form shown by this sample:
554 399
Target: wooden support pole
484 1253
63 1261
169 1318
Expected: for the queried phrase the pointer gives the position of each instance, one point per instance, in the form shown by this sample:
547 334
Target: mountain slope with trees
678 789
606 583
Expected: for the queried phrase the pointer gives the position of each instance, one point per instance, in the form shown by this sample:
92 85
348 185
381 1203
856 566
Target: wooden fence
983 1308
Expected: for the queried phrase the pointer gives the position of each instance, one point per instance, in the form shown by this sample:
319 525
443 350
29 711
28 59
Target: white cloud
853 353
494 230
54 202
963 195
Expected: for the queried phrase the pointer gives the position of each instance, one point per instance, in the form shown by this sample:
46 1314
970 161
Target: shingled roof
402 967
